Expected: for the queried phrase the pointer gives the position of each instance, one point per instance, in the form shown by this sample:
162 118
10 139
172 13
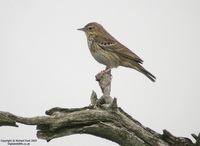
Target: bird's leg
107 70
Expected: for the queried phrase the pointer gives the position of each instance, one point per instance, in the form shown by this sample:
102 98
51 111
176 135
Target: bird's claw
104 72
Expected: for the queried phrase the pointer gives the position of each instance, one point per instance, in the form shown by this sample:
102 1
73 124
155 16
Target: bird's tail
147 74
141 69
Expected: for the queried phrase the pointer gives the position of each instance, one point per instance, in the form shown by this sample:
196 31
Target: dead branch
102 118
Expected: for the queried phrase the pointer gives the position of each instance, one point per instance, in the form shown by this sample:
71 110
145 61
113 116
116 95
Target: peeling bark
102 118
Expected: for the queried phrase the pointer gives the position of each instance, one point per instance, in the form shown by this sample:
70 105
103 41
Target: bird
108 51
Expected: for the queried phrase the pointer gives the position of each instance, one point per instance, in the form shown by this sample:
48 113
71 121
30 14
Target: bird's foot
108 71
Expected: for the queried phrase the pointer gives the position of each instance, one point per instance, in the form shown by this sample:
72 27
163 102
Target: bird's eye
90 28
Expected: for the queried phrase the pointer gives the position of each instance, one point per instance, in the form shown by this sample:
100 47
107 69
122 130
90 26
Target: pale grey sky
45 62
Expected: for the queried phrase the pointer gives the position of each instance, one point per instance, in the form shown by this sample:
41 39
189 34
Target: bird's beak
81 29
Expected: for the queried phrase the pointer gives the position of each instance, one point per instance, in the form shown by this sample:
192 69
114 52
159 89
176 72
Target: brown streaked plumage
108 51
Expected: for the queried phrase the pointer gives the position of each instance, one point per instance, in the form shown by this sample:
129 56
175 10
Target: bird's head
93 29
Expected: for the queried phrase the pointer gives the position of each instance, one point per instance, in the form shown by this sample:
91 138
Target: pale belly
101 58
110 60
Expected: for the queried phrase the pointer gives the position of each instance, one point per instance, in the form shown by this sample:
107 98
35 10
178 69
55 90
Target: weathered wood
102 118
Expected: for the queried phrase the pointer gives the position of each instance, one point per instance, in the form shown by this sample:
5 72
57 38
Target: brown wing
111 44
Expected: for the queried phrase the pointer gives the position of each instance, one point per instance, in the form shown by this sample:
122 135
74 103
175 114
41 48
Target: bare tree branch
102 118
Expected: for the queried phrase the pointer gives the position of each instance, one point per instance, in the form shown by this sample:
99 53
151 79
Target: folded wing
111 44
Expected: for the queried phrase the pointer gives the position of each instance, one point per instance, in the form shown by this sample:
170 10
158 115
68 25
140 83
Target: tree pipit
108 51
